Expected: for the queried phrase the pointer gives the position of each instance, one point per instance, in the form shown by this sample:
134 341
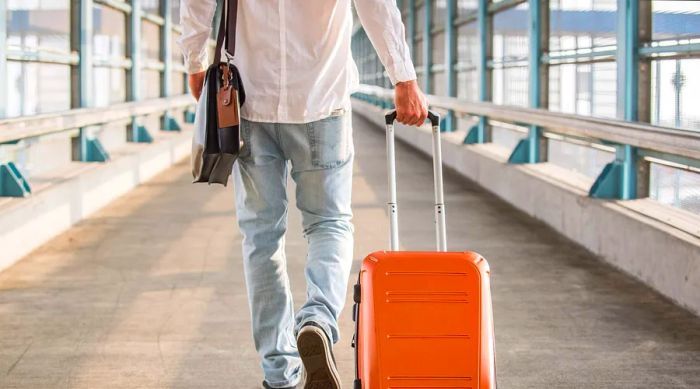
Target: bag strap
227 29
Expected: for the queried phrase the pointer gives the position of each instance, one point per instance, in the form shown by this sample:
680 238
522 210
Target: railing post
450 59
137 133
619 178
166 56
3 58
533 148
411 19
427 45
480 133
88 148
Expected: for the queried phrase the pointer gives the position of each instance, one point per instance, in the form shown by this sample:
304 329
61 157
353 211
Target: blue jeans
320 154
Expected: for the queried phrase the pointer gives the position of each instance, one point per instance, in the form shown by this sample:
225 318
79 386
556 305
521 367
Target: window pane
176 52
675 93
110 33
177 83
439 12
468 85
34 88
468 45
465 7
510 40
112 86
576 24
675 187
438 48
150 40
510 86
175 11
675 19
420 18
150 84
38 24
151 6
584 89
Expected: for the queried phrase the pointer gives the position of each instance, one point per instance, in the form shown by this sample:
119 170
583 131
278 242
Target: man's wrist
407 84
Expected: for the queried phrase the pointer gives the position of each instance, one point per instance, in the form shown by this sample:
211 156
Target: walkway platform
149 293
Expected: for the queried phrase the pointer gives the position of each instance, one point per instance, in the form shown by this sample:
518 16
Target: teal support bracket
12 182
450 61
531 148
170 124
140 134
478 133
427 45
189 116
528 149
94 151
618 180
91 149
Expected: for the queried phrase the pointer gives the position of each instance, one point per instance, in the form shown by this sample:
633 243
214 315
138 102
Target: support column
450 60
481 133
3 59
166 56
533 148
619 179
137 133
87 148
427 45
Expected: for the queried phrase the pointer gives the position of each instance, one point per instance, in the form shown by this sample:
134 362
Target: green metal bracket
91 149
95 152
170 124
12 183
528 149
189 116
618 180
140 134
478 133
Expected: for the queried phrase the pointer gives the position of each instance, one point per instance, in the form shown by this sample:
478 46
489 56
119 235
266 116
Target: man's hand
196 81
411 105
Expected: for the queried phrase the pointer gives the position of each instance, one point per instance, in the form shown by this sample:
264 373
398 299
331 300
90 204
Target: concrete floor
149 293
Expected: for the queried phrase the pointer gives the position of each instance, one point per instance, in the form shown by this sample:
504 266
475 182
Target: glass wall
37 28
579 61
41 59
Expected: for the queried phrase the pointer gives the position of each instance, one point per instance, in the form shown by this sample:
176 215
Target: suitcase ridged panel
424 326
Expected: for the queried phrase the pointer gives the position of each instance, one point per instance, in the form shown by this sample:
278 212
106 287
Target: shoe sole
315 352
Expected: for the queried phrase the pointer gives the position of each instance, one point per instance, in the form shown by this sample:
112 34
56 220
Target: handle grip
440 231
434 118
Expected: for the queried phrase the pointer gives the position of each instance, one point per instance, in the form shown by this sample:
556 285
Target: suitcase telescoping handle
434 118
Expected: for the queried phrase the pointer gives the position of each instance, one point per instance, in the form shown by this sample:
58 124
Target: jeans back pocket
330 140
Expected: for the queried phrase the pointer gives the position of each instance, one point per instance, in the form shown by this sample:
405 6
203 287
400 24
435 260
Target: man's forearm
196 18
382 22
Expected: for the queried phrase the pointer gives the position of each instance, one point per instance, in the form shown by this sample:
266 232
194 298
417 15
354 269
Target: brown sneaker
316 354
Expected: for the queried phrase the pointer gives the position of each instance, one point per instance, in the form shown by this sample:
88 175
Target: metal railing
670 146
12 182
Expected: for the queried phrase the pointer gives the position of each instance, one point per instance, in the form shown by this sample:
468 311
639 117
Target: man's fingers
400 117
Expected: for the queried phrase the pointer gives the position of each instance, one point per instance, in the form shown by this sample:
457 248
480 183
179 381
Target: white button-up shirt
294 55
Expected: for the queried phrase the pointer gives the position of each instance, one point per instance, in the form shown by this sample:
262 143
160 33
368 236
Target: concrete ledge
662 254
67 196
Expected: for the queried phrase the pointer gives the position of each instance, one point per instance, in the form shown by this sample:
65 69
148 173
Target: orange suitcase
423 319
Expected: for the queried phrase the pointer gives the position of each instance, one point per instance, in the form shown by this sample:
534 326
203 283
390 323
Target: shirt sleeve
382 22
196 17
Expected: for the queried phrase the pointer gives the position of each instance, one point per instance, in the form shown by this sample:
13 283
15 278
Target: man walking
295 61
